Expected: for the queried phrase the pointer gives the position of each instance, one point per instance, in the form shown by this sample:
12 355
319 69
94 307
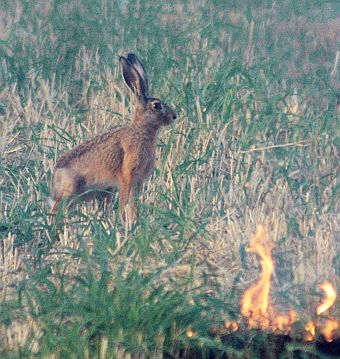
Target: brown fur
124 156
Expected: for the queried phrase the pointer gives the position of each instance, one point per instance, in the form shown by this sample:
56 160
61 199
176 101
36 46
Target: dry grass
225 166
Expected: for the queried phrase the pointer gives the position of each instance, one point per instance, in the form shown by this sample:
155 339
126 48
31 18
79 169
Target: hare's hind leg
66 183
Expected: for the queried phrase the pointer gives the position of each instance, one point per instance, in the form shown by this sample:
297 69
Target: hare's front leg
127 209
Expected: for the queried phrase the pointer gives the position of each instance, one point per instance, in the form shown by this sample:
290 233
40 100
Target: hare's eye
157 105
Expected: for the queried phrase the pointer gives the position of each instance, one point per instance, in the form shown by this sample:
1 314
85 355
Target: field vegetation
256 88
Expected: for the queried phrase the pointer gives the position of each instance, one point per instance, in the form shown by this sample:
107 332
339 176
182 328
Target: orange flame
328 328
329 325
233 326
191 333
310 331
256 306
255 303
330 297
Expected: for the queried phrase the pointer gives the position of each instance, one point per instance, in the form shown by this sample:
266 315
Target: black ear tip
131 57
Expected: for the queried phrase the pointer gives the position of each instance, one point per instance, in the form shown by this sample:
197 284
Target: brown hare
123 156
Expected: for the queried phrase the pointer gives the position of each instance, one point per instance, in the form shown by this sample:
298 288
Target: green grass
255 85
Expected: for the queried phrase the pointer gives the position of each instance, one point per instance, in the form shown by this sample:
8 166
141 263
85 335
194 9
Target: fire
326 326
256 307
191 333
255 303
310 331
330 326
330 297
233 326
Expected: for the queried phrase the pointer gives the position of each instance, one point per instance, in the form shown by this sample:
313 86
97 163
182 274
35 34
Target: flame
256 306
330 297
233 326
255 303
310 331
255 300
328 328
329 325
191 333
284 322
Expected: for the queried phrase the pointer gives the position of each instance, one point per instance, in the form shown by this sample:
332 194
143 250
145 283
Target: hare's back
104 150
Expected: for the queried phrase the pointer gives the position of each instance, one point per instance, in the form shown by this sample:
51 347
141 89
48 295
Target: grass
256 88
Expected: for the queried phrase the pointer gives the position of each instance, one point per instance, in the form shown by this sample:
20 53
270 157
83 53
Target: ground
256 89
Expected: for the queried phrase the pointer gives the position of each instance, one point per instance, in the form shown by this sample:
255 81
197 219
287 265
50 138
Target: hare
122 157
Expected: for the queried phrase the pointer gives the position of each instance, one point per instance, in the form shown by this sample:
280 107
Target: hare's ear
132 79
134 61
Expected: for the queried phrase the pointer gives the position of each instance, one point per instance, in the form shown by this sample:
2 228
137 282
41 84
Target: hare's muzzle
172 115
166 114
171 118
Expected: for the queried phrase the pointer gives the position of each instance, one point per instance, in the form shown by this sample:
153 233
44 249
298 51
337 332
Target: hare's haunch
122 157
